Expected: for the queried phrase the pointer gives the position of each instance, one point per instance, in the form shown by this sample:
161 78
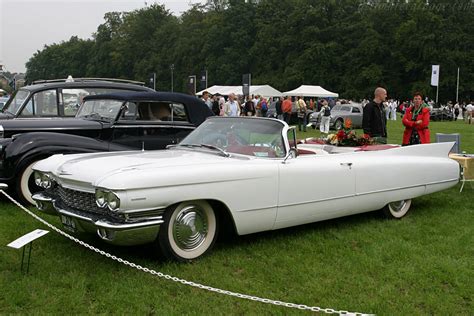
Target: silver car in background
339 113
3 101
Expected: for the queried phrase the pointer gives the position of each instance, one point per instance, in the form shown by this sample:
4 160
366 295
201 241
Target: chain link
176 279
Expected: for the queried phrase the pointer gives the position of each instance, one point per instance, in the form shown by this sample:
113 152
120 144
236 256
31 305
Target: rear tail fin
426 150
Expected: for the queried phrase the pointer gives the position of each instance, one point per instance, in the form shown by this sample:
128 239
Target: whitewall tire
189 231
25 184
397 209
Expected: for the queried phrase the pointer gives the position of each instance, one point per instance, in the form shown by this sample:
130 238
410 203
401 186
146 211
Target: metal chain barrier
182 281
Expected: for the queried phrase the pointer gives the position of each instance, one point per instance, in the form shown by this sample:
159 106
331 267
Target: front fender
28 146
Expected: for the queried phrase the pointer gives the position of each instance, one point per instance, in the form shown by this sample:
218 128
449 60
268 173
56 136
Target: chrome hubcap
398 206
190 228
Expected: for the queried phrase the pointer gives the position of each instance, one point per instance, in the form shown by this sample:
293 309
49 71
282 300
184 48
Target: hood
6 116
20 125
126 170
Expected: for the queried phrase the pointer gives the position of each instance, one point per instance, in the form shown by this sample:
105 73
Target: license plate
68 223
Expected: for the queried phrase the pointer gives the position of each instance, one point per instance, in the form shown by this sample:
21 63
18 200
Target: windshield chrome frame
6 107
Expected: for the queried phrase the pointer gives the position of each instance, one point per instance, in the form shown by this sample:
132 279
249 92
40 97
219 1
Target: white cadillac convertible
241 174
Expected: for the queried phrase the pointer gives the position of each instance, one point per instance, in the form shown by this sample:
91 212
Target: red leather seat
305 152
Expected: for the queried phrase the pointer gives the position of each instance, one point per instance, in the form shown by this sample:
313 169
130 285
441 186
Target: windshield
246 136
16 101
100 109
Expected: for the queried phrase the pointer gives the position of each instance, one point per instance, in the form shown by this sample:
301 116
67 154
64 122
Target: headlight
107 198
113 202
100 197
43 180
38 178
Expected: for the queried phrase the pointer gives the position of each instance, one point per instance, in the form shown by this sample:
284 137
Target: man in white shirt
206 99
393 109
231 108
470 112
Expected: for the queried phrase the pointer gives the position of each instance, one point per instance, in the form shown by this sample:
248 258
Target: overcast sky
27 25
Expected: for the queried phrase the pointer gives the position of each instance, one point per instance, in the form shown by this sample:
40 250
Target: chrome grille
79 200
85 202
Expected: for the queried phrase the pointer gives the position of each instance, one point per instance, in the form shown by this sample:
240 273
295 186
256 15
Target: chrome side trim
369 192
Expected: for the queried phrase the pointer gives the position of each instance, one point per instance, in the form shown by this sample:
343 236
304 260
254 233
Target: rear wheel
397 209
25 185
189 231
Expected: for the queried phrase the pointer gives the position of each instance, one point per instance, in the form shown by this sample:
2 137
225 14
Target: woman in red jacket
416 120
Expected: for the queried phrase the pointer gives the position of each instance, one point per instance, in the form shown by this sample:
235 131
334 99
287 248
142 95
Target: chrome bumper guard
116 233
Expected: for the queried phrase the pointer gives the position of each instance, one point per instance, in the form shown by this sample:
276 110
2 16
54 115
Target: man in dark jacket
374 122
278 110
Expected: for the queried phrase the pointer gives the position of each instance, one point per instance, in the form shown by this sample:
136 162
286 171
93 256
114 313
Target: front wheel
189 231
25 185
397 209
339 124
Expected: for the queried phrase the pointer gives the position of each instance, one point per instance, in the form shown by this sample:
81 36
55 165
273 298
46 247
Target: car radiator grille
80 200
85 202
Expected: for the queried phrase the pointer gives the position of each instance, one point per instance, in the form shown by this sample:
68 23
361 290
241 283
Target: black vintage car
61 97
108 122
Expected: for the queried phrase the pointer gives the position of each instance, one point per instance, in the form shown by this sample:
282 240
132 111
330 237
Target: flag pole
457 88
437 88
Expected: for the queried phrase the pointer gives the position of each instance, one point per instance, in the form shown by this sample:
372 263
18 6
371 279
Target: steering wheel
218 140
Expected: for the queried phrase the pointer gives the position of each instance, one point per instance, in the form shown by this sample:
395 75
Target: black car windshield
99 109
15 102
246 136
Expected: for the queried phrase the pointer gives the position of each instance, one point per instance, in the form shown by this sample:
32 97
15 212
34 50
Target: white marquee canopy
263 90
311 91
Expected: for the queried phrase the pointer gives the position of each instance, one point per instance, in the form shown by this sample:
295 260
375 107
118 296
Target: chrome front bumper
125 234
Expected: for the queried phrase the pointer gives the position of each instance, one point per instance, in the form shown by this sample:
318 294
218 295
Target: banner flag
435 75
203 80
191 85
152 80
246 79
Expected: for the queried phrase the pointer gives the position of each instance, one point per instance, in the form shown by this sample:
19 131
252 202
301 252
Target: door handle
348 164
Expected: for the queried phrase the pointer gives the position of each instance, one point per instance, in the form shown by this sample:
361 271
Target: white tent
311 91
263 90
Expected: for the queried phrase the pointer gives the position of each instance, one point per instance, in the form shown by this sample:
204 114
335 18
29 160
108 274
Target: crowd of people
254 105
415 113
415 117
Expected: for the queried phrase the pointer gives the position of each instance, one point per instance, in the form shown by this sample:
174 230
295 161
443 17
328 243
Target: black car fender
28 147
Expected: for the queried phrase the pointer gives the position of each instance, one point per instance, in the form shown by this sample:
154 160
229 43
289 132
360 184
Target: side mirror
293 153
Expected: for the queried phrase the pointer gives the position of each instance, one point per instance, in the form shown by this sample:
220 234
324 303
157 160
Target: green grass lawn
422 264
